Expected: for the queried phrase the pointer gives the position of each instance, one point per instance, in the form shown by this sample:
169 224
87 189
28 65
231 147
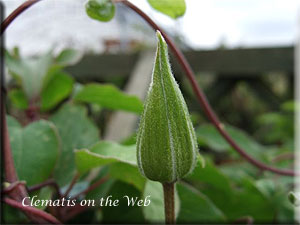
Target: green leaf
104 153
30 72
18 98
43 194
209 136
103 189
196 207
294 199
12 122
108 96
155 212
57 88
123 213
211 179
102 10
76 131
172 8
68 57
35 150
127 173
76 189
10 215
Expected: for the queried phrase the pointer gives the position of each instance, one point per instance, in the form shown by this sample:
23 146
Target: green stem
169 202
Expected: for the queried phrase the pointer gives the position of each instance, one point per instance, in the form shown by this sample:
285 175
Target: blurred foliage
67 140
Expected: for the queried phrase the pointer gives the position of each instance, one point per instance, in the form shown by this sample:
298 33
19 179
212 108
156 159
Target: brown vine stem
16 13
49 182
73 182
92 187
169 202
202 98
33 211
19 192
12 186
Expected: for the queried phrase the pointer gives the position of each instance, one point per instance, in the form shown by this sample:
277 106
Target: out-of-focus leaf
246 196
76 131
127 173
58 87
210 137
43 194
10 215
30 72
196 207
294 199
123 212
77 188
18 98
172 8
103 189
35 150
280 126
12 122
68 57
102 10
108 96
104 153
154 212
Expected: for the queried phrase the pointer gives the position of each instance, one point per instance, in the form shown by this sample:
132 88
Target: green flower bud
166 141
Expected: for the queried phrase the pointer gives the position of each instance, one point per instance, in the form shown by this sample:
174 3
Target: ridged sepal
166 141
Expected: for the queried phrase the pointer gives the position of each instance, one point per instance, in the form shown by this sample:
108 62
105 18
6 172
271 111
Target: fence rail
232 63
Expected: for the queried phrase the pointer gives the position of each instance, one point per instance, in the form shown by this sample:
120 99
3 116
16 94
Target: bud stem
169 202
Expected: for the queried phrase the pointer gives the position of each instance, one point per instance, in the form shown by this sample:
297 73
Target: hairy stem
169 199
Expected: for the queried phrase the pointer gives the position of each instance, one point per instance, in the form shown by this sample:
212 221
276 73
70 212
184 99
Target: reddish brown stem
92 187
12 186
49 182
169 202
32 211
16 13
202 98
73 182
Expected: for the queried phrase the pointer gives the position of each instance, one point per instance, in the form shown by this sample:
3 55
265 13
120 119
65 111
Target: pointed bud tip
160 38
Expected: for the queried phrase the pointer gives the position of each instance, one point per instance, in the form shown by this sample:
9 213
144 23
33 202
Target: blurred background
205 25
243 52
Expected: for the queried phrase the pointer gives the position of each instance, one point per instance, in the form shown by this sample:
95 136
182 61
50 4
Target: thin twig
202 98
32 210
16 13
73 182
169 202
49 182
92 187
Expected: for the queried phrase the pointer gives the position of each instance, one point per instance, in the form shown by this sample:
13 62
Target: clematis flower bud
166 141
